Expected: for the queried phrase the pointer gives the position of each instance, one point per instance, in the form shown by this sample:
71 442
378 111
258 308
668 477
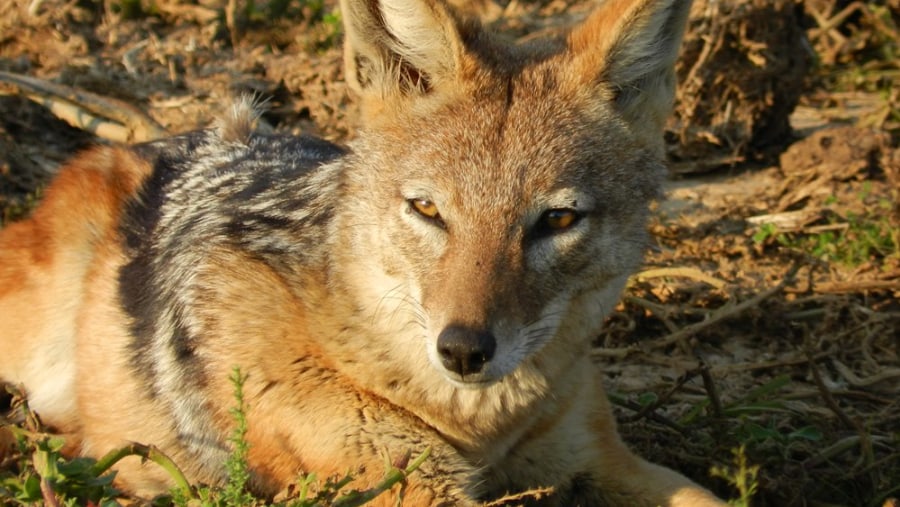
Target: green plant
330 493
765 232
43 475
741 475
851 240
235 492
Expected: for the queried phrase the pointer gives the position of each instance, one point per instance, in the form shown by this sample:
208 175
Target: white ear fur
649 43
630 48
396 45
425 38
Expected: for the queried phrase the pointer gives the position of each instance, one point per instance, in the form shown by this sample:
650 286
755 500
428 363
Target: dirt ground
767 317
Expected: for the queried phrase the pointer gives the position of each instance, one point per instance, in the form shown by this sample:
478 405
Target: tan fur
366 328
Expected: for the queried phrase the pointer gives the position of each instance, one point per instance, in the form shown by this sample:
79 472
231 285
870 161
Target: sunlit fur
328 274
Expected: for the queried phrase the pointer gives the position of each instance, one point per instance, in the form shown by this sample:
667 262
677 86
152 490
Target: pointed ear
402 46
629 47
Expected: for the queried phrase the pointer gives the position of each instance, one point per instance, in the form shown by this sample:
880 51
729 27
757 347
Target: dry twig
105 117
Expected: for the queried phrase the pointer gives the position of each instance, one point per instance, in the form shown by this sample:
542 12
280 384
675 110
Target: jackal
436 284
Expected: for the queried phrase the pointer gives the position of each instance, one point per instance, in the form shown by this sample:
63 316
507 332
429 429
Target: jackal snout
464 350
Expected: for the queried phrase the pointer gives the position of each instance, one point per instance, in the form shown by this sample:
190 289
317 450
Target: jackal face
501 191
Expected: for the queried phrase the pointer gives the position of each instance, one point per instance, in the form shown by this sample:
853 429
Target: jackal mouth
473 383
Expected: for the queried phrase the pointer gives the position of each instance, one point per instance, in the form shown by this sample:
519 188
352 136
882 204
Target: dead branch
724 313
105 117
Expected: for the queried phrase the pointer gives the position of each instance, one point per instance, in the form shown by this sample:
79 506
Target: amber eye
424 207
555 220
427 210
559 219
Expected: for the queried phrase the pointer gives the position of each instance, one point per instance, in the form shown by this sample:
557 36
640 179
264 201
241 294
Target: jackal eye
555 220
427 210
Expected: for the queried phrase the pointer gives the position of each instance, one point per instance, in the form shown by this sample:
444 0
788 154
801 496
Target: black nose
464 350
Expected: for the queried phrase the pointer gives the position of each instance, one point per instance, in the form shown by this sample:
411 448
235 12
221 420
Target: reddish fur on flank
46 259
366 328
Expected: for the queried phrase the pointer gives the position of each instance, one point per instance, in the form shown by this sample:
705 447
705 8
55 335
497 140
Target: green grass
43 475
856 237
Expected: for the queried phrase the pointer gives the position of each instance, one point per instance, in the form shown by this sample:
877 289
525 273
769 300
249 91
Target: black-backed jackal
436 284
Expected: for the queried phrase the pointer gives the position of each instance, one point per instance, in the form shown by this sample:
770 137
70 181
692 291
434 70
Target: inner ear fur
401 46
629 48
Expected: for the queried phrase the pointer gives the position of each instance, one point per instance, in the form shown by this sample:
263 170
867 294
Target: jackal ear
400 45
629 47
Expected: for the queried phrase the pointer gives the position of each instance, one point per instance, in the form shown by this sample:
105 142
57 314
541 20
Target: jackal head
498 192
